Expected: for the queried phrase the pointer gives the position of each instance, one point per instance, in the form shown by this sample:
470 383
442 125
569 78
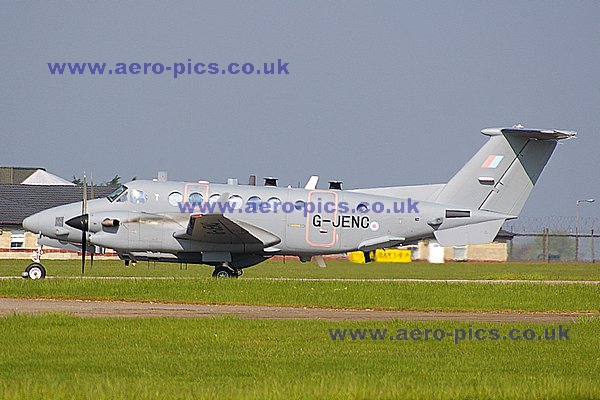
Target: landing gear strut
35 270
225 271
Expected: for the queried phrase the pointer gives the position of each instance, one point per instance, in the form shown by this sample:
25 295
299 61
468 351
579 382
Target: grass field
441 296
335 269
337 294
62 357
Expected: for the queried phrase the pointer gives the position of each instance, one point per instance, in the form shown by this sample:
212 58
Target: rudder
501 175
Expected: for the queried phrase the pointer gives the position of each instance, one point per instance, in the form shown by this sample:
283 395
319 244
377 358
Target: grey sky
382 93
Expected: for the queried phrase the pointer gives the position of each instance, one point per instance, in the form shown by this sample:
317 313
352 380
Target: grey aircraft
232 227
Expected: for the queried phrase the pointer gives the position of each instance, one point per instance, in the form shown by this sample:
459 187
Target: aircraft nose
32 223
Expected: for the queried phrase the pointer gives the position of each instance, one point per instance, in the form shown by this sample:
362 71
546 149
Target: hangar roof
41 177
20 201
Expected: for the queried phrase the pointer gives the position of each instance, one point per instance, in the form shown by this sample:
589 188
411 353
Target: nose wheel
34 271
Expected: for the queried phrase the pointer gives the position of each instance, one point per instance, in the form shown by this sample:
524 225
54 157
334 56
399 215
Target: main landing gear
225 271
35 270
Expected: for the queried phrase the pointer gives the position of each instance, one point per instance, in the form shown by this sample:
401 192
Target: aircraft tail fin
501 175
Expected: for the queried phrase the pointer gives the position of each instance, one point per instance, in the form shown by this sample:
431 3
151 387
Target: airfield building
26 191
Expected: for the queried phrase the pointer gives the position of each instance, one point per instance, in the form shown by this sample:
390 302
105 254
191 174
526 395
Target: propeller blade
84 223
84 204
91 246
91 187
83 250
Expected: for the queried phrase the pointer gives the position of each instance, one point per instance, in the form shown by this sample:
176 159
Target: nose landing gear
35 270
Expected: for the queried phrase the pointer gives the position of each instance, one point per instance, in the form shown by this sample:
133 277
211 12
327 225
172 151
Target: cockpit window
116 193
138 196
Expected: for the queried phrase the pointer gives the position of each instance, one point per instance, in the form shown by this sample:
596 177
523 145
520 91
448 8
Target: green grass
335 269
62 357
440 296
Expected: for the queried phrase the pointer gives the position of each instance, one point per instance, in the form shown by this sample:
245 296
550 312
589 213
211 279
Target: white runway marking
490 281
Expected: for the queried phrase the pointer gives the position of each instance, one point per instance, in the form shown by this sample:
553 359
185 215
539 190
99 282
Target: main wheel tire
224 272
35 271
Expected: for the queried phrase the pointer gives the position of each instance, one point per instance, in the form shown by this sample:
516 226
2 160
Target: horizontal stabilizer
483 232
539 134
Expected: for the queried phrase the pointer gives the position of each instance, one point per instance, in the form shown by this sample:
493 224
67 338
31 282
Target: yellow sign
393 256
356 257
384 256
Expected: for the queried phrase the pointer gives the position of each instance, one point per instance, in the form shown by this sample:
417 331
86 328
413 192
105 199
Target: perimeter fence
556 238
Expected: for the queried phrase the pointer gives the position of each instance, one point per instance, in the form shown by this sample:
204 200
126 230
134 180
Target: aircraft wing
380 243
220 230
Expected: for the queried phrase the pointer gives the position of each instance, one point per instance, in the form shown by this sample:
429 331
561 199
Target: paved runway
136 309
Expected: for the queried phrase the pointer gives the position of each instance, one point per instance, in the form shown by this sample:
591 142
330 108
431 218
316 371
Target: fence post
510 246
592 246
544 244
548 244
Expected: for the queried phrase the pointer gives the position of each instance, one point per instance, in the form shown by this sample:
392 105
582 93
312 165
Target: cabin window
235 201
175 199
299 205
196 198
273 201
214 198
254 200
362 208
